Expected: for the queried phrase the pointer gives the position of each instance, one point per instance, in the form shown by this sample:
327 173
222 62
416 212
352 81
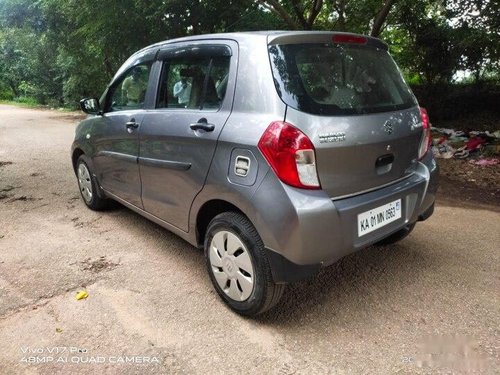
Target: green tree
367 16
16 64
478 29
62 50
95 37
27 53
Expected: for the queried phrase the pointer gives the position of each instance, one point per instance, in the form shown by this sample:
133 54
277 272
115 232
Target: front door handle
202 124
131 125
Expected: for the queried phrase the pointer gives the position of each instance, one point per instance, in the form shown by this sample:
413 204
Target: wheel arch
77 152
75 155
207 212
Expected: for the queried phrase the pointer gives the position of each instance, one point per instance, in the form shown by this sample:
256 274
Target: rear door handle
384 160
202 124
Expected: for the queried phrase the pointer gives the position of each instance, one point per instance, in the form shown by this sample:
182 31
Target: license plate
378 217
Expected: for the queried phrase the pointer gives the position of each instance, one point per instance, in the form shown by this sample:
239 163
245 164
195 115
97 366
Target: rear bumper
307 228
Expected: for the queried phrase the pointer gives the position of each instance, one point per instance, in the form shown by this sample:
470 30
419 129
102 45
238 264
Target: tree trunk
477 76
340 8
14 89
299 12
107 65
381 17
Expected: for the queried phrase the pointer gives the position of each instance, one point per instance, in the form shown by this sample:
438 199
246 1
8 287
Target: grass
22 104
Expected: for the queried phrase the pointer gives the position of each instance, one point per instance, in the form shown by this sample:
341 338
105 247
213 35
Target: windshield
328 79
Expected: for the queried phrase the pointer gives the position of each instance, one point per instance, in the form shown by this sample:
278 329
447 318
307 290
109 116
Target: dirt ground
429 304
464 182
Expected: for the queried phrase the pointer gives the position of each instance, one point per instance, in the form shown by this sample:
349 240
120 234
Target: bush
6 95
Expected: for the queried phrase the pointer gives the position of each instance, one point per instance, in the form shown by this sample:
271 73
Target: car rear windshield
338 79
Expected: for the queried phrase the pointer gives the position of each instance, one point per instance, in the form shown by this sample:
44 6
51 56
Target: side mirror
90 106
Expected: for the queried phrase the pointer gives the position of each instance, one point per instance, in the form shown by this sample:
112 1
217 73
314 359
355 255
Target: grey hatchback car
277 152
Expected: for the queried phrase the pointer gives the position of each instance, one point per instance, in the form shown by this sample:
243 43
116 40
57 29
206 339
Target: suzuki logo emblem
388 127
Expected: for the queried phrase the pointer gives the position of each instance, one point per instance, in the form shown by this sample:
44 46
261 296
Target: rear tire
88 186
238 266
398 236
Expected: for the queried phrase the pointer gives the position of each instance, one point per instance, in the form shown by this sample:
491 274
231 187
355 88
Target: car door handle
384 160
202 124
131 124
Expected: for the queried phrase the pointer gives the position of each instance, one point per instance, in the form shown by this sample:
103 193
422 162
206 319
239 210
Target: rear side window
193 82
330 79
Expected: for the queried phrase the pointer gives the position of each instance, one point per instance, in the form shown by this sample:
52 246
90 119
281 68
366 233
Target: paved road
429 304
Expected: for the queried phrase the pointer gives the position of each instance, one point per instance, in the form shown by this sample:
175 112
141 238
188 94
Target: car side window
194 82
129 91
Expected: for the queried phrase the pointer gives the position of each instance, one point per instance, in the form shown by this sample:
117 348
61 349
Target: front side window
129 92
194 82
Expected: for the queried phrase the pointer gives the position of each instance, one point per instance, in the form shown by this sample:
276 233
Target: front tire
88 186
238 267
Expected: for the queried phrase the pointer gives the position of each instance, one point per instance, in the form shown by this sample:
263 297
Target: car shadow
166 239
365 280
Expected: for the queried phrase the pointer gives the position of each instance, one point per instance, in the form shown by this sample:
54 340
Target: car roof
268 35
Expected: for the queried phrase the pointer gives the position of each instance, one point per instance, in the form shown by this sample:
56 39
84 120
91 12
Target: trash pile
482 148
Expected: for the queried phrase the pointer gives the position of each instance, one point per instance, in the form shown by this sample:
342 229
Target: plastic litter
443 151
489 161
81 295
473 144
461 153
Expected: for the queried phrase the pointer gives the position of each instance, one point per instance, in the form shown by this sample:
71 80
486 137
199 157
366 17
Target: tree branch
299 12
275 6
316 8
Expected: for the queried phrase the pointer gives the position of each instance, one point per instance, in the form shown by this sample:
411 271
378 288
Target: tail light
291 155
426 141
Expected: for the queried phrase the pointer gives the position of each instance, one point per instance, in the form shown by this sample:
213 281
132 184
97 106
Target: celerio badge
331 137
